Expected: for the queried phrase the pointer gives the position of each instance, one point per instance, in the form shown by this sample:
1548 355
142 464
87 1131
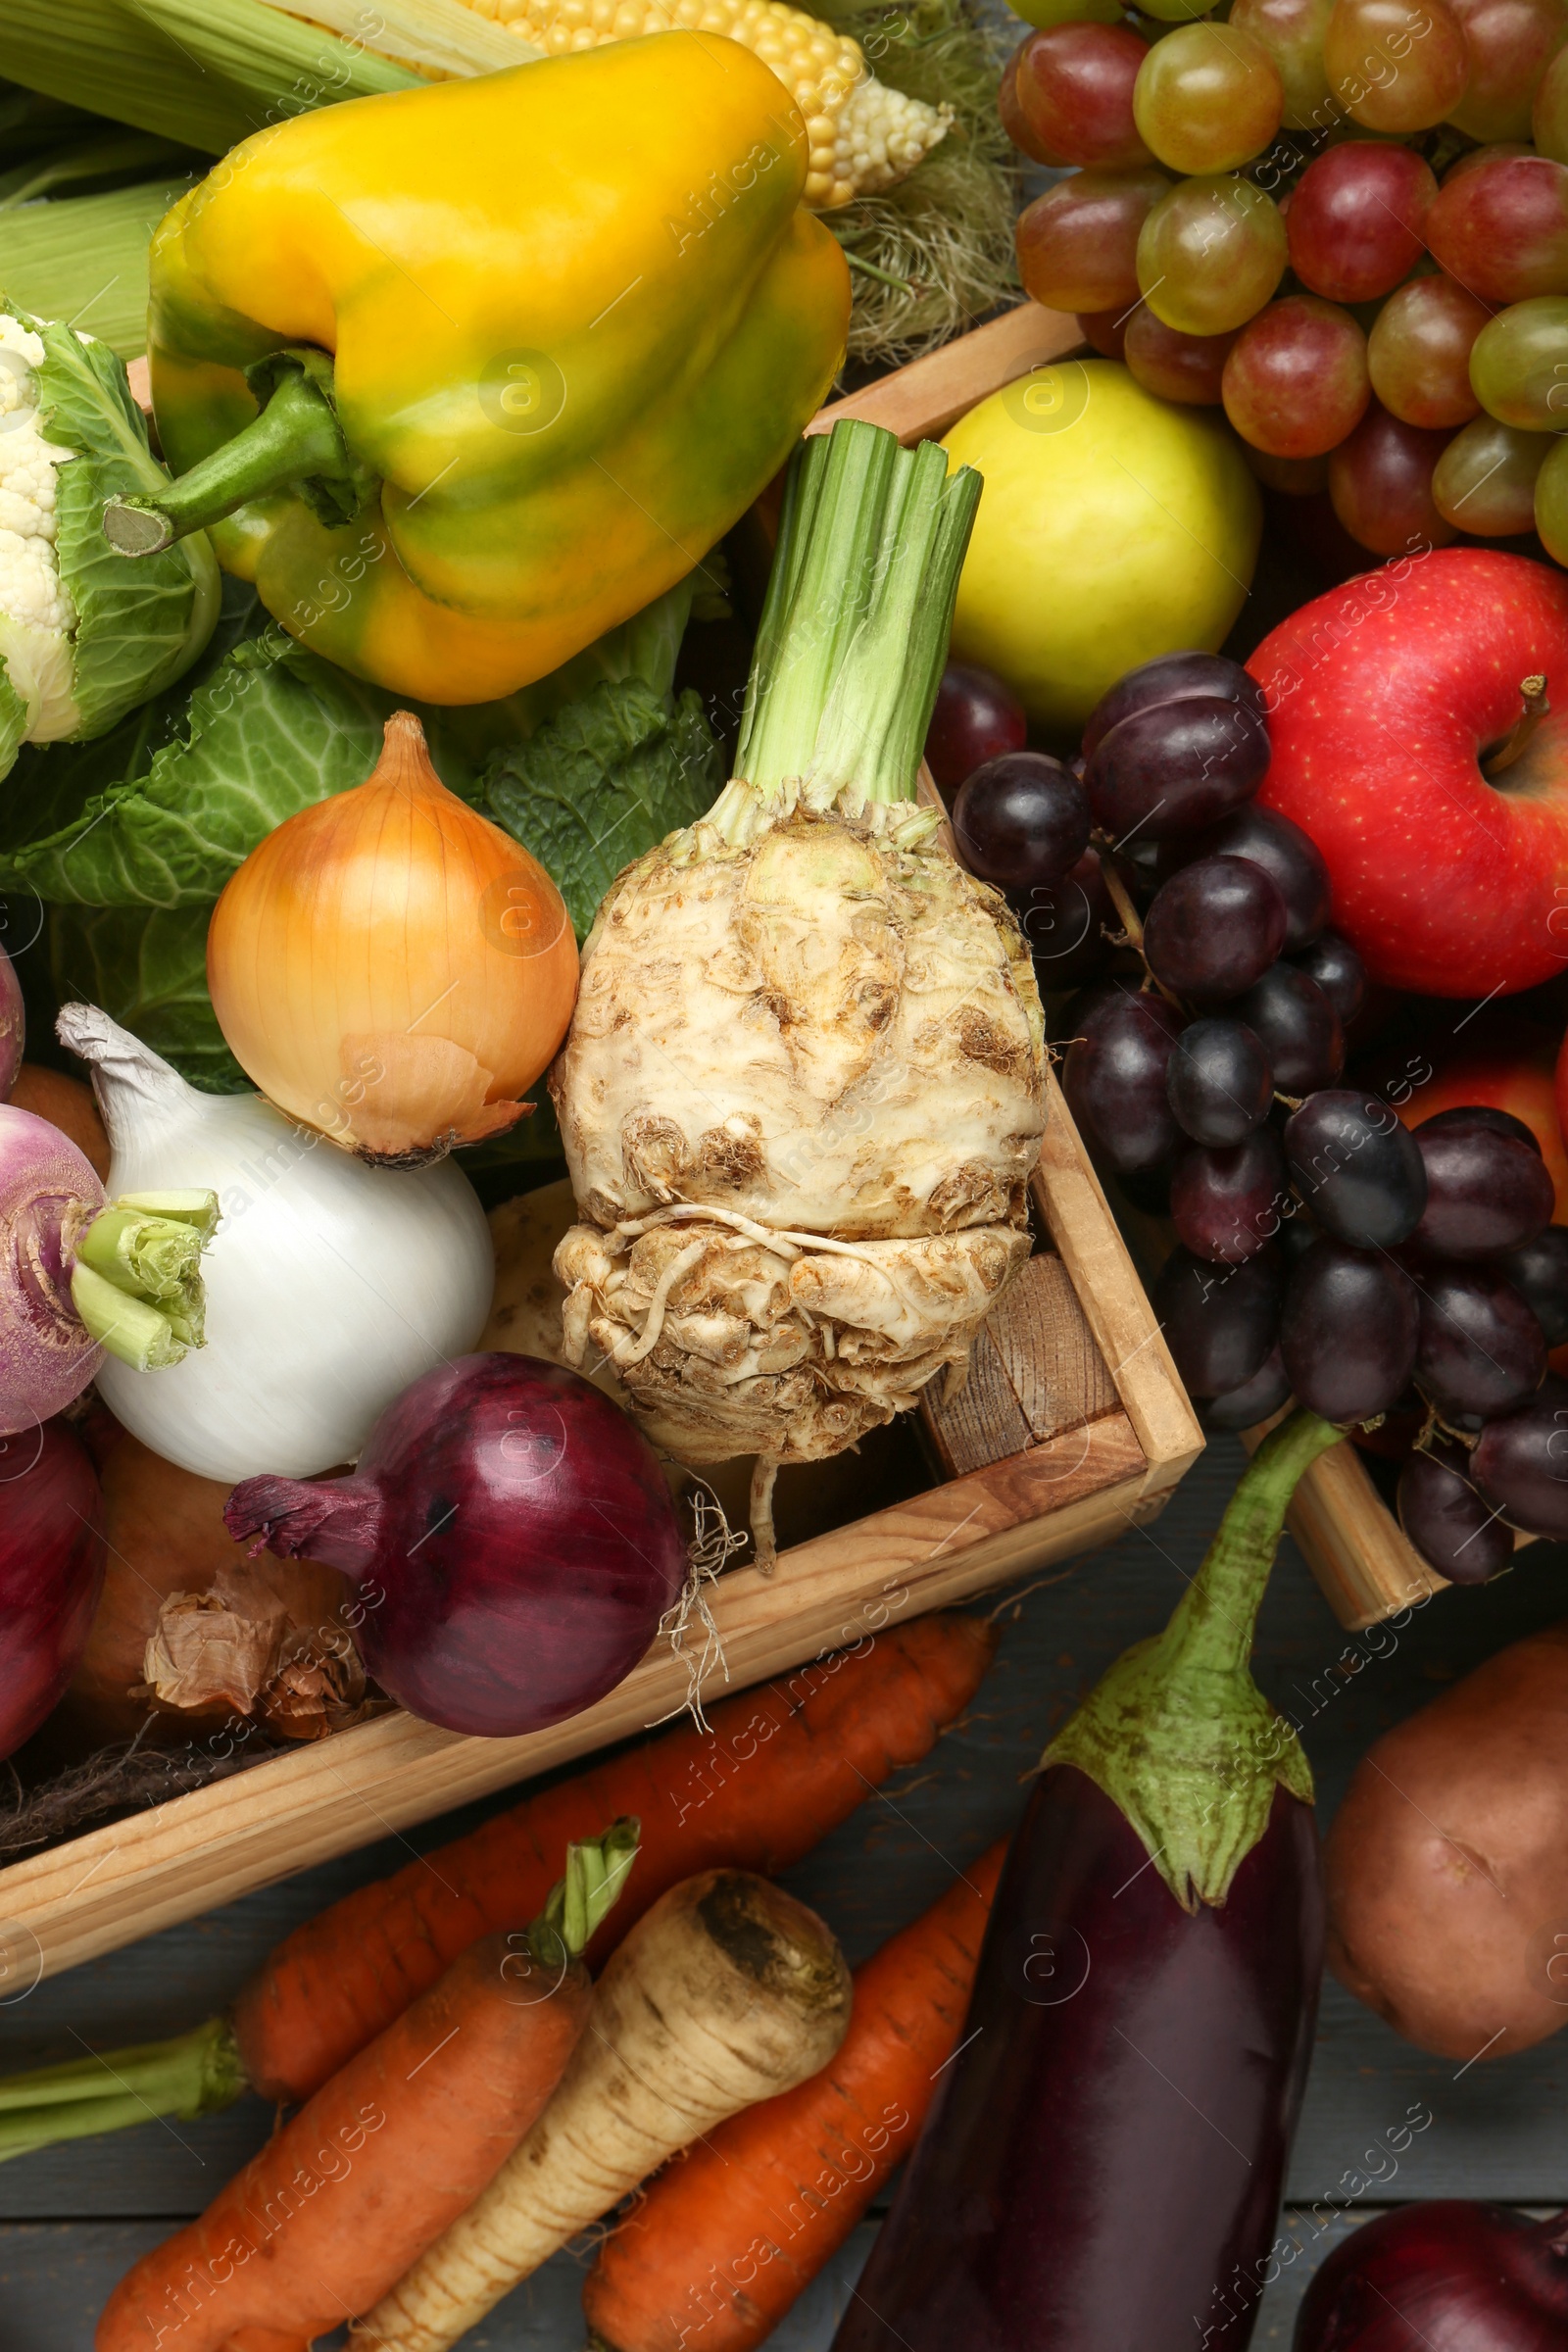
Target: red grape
1295 382
1486 1193
1419 352
1173 365
1500 226
1380 481
1539 1272
1338 971
1297 1026
1485 478
1218 1083
1453 1529
1174 678
1466 1117
1520 1462
1357 1168
1226 1206
1482 1350
975 718
1021 820
1065 924
1396 64
1067 96
1115 1073
1214 928
1078 243
1210 252
1511 42
1281 848
1173 767
1349 1330
1357 217
1292 31
1256 1400
1293 478
1208 97
1106 330
1219 1323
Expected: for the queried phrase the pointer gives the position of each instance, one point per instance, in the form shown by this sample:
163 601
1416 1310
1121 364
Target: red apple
1391 701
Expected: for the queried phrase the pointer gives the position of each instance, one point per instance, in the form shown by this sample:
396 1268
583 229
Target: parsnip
727 1991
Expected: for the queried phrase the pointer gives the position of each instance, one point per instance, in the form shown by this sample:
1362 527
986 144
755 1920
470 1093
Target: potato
1448 1862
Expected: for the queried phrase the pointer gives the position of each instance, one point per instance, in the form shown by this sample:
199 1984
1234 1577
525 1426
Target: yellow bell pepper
474 371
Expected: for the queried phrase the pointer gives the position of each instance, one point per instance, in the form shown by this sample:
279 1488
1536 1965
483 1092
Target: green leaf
140 625
13 721
603 782
148 972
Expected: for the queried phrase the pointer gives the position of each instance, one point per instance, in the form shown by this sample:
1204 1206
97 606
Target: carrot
383 2158
724 2240
782 1766
728 1990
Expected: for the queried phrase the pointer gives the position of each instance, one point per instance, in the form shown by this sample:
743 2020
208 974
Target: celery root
727 1991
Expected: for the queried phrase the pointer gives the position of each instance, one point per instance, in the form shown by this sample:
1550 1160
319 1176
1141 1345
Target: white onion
330 1285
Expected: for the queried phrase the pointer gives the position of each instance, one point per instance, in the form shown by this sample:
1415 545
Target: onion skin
390 967
51 1570
511 1537
1063 2194
49 1195
1450 2276
1448 1862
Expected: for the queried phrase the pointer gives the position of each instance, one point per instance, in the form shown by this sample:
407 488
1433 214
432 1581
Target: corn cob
864 137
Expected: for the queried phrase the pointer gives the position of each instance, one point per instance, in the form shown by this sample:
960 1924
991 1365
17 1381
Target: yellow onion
391 968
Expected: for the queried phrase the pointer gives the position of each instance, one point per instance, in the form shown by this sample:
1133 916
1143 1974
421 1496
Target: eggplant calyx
1177 1733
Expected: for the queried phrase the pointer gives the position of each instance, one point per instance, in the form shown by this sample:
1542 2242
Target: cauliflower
79 645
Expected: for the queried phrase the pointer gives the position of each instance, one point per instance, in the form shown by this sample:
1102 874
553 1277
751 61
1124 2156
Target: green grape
1045 13
1549 116
1518 362
1210 254
1485 478
1207 98
1552 503
1175 12
1292 31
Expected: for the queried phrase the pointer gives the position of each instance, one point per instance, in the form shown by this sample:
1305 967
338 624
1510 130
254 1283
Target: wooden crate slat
1048 1351
983 1421
920 402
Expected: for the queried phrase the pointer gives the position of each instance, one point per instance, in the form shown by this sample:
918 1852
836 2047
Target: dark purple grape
1521 1463
1339 972
1021 820
1065 924
1220 1322
975 718
1175 767
1175 679
1484 1115
1348 1332
1357 1168
1445 1518
1482 1350
1539 1272
1255 1400
1227 1205
1114 1074
1220 1083
1214 928
1298 1027
1486 1193
1287 855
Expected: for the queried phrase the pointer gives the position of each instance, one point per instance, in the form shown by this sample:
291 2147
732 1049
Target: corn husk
83 259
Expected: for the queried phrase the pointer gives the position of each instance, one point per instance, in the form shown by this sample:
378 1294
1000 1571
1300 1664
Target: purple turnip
512 1538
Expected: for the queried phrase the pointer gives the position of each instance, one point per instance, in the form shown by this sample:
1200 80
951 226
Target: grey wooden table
71 2221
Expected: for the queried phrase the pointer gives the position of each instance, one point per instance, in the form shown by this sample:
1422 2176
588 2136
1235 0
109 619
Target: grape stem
1131 921
1533 695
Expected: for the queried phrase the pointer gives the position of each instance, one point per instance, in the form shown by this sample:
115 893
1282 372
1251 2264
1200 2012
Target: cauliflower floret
30 587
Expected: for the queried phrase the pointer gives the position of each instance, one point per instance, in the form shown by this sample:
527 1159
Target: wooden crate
1073 1427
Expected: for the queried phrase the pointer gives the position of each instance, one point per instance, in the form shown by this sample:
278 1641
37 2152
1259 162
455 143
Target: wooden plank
920 402
60 1908
983 1421
1073 1203
1048 1351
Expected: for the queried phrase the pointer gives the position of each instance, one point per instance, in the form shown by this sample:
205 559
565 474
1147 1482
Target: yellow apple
1113 526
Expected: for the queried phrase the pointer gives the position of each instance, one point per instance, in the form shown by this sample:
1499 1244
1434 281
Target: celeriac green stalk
137 1283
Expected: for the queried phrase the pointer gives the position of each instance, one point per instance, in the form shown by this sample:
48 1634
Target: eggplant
1103 2165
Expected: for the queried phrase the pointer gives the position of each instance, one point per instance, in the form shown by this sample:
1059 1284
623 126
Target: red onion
1452 2277
51 1570
510 1534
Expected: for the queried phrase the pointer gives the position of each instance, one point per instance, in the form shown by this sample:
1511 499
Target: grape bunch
1382 315
1324 1251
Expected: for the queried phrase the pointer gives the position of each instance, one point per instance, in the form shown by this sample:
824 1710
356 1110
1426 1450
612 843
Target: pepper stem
195 2074
137 1283
296 437
1177 1733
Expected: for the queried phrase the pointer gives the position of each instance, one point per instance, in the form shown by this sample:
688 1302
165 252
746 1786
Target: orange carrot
730 2233
781 1766
389 2153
